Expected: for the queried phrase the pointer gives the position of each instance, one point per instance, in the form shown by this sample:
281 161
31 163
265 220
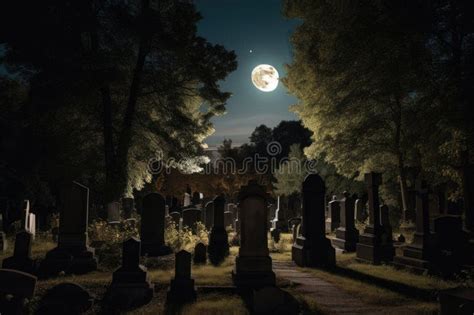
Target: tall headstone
209 217
21 259
26 214
387 236
128 206
32 224
182 288
253 265
417 255
347 235
113 212
153 226
218 248
72 255
131 285
312 248
369 248
334 215
191 217
23 288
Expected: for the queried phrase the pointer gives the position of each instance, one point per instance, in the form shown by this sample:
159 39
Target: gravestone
347 235
370 248
280 220
312 248
187 200
3 237
23 288
273 300
72 255
209 217
218 248
128 206
418 254
457 301
176 218
253 265
196 199
200 254
191 217
228 219
65 298
21 259
360 211
31 224
450 248
387 236
113 212
131 285
26 214
152 230
182 288
334 215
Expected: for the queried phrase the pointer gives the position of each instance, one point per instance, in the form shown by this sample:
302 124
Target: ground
318 291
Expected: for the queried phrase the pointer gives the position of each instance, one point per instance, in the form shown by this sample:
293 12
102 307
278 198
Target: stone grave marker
20 285
387 236
312 248
370 247
187 200
200 254
209 217
191 217
347 235
72 255
253 265
131 286
182 288
113 212
152 230
218 242
334 215
21 259
65 298
31 223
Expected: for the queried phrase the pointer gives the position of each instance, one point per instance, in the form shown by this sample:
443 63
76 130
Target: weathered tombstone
65 298
209 217
347 235
360 213
370 247
72 255
176 218
187 200
113 212
450 245
457 301
21 259
196 199
131 285
191 217
3 237
334 215
218 242
200 253
253 265
387 236
312 248
128 206
32 224
417 255
18 286
182 288
228 219
152 230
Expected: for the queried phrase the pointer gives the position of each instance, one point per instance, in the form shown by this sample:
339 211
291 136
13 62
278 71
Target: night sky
244 25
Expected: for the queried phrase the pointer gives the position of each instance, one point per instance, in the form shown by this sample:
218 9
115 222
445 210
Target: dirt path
328 296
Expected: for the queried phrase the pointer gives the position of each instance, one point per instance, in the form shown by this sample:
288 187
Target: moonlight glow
265 78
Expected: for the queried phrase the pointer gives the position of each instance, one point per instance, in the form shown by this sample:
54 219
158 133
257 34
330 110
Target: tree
360 72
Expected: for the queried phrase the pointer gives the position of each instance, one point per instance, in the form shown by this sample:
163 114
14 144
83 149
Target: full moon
265 78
